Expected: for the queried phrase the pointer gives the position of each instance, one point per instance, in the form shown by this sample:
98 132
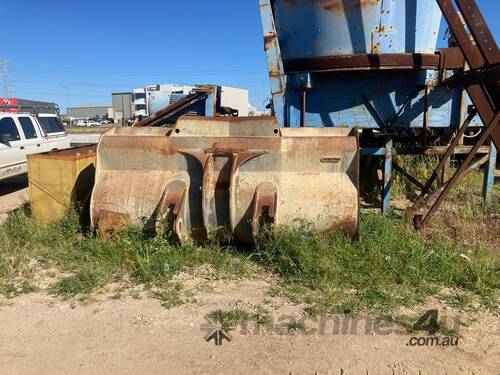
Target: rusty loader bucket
216 176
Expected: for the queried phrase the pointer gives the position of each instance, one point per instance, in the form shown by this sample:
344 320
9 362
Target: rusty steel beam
437 150
387 61
477 164
482 56
444 160
479 30
478 53
487 75
451 58
462 38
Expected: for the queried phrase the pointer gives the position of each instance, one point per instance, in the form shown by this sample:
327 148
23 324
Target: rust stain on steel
74 153
338 5
348 226
387 61
216 173
110 222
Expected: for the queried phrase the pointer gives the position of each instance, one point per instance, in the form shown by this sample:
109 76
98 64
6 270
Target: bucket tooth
264 209
216 180
172 211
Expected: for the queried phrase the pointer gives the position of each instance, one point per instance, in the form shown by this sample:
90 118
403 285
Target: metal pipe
387 188
489 176
426 116
303 107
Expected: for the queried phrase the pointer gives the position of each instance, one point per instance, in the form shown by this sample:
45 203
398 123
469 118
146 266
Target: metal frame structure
483 58
293 77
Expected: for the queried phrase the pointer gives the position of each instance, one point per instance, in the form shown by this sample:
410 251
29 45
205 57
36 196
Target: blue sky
90 48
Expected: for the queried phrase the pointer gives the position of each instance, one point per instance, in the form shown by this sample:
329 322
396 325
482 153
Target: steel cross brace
480 53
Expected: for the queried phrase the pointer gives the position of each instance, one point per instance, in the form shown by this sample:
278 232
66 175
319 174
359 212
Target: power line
63 94
143 73
123 86
82 84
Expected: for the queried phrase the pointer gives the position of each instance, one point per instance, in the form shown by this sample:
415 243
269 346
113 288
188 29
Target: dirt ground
43 335
13 194
40 334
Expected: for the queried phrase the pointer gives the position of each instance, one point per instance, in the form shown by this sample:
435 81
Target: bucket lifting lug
169 211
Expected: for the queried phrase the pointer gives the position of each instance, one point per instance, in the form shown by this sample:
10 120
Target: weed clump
389 266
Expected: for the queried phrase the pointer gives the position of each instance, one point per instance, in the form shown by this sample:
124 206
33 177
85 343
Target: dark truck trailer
16 105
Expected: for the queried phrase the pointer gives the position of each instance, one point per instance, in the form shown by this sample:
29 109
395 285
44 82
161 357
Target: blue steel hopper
370 65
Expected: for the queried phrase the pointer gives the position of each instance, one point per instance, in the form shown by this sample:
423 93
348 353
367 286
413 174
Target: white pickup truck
24 134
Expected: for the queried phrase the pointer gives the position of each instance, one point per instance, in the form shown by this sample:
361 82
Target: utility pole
67 98
5 76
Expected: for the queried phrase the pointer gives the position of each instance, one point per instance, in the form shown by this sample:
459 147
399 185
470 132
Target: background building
153 98
235 98
123 106
139 97
90 112
159 96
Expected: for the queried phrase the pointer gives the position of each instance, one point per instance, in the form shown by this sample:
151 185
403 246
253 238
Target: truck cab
22 134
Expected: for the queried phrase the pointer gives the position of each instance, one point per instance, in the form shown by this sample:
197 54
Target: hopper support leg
489 176
387 190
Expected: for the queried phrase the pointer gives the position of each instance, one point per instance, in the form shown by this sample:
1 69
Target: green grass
390 266
170 296
469 188
83 282
419 166
26 247
460 300
230 319
11 290
258 319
